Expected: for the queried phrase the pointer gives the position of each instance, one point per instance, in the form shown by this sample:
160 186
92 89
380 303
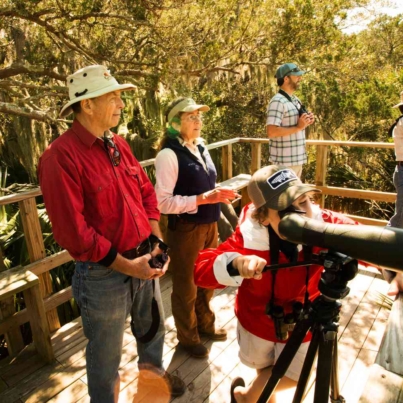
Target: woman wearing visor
187 193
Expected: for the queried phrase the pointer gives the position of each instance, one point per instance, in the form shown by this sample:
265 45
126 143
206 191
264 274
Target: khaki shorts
259 353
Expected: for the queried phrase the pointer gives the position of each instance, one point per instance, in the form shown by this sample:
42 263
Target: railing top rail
147 163
365 144
16 197
223 143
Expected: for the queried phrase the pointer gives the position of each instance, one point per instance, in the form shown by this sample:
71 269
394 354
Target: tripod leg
335 396
306 368
324 369
285 358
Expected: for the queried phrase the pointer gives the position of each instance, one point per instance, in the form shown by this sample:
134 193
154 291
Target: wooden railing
41 265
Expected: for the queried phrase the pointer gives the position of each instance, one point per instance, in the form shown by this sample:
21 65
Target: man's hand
217 195
249 266
157 251
305 120
140 268
396 285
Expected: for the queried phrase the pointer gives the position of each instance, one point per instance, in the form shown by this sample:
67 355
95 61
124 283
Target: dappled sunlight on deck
28 379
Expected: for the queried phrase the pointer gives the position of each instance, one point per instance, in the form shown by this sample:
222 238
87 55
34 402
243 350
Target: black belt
142 249
399 163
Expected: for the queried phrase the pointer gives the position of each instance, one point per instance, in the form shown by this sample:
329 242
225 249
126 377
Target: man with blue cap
287 119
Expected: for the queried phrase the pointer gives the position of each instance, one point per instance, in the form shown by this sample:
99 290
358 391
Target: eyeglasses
294 70
194 118
112 150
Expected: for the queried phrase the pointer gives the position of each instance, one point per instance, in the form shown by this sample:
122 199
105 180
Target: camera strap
276 244
155 314
284 94
390 130
307 249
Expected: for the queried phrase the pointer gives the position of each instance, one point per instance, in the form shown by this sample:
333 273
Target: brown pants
190 304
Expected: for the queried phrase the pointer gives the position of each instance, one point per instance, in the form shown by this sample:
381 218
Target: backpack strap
390 130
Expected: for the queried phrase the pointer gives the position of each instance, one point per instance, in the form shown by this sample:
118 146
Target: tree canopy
222 52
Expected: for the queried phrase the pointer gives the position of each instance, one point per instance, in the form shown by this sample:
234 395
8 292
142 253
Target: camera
302 110
338 270
157 262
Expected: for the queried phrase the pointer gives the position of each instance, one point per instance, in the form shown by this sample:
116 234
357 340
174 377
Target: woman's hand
249 266
217 195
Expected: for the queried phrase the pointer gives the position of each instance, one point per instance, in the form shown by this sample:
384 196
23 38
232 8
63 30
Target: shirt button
118 176
135 214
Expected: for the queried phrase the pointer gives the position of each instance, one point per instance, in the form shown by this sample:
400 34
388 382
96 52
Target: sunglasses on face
112 150
194 118
294 70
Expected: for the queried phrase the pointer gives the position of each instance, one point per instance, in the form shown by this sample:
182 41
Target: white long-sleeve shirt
167 171
398 137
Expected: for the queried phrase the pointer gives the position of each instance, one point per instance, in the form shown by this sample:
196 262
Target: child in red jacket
271 189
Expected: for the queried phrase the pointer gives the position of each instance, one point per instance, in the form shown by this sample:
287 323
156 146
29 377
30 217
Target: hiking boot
218 335
196 350
175 385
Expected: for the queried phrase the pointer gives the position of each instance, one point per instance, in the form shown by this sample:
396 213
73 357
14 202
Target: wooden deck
28 379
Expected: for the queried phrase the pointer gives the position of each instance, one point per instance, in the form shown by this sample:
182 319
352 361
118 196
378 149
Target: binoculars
285 322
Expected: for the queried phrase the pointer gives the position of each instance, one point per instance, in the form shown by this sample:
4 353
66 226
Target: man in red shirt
103 210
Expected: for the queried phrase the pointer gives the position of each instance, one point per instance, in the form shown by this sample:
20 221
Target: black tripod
321 319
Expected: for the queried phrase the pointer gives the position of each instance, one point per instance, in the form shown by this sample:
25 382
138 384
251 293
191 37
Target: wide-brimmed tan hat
187 105
401 101
276 187
91 82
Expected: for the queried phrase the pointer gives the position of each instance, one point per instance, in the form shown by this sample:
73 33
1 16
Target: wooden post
256 157
36 251
14 340
38 322
321 169
18 280
245 197
226 153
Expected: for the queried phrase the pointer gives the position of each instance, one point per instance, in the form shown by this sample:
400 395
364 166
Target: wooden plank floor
28 379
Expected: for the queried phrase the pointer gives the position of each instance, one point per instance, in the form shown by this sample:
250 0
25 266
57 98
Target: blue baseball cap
288 69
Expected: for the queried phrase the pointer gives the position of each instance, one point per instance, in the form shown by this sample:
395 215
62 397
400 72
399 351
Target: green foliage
223 53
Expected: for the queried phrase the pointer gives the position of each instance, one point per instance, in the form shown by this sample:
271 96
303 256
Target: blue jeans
397 220
106 299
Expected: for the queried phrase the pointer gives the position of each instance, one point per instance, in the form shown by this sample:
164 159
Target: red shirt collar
86 137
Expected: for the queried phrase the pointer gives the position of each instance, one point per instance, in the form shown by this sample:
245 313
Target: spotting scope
379 246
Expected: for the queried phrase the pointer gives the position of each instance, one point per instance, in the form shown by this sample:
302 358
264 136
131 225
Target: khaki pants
190 304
